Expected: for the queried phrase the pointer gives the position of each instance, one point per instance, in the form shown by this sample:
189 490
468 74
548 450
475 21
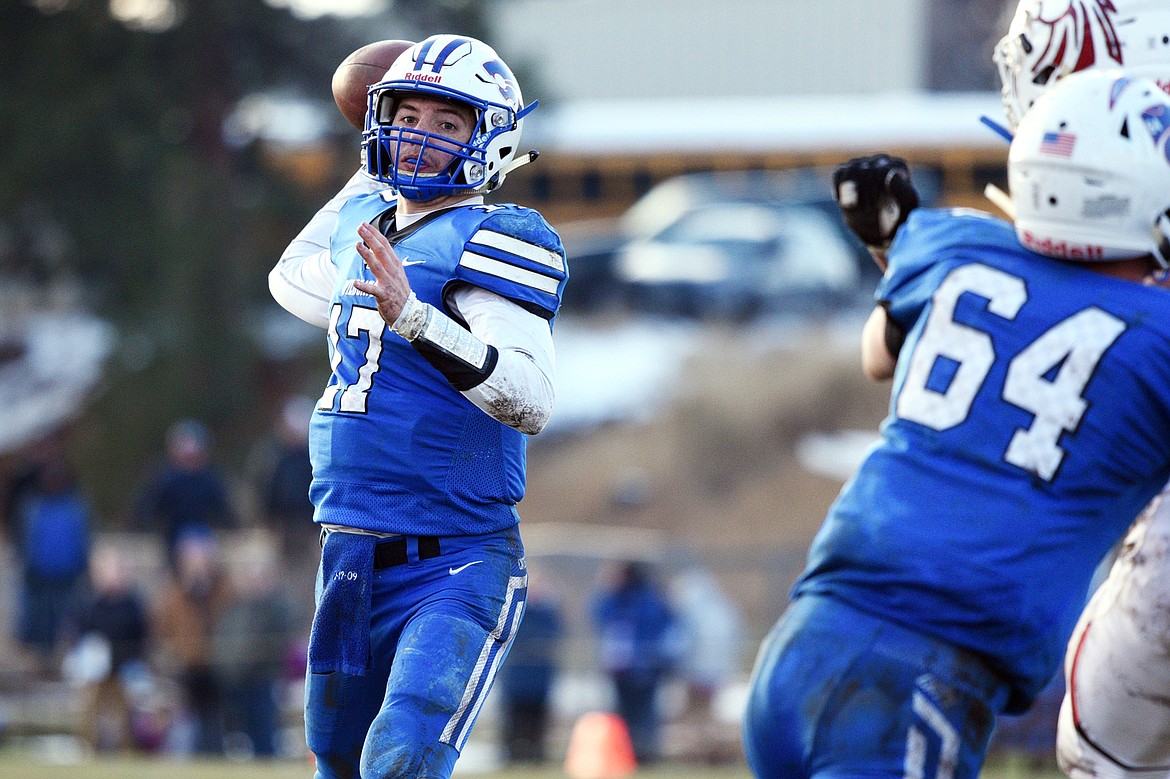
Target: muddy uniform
422 581
1028 422
1114 721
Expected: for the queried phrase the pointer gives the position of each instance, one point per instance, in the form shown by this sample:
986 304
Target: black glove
875 196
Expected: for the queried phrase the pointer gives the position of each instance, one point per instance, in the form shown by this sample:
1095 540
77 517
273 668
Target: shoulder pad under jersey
514 252
933 239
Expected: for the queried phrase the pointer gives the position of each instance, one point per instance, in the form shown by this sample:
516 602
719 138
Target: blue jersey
395 448
1029 423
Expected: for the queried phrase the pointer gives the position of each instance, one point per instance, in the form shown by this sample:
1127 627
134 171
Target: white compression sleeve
302 280
520 390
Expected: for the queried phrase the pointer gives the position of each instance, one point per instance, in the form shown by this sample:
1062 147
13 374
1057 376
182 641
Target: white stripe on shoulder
513 245
505 270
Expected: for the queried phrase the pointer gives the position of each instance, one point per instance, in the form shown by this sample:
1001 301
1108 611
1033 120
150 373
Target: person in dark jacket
110 634
639 641
187 496
527 676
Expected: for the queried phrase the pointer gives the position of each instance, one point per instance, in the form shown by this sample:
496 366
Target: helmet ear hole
1161 232
1043 76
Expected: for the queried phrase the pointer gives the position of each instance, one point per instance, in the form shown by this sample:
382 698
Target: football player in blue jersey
1028 425
1114 720
438 309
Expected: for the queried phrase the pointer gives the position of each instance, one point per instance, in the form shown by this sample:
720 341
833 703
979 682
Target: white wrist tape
412 319
422 321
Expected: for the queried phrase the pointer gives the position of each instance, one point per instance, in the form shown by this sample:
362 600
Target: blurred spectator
527 675
21 480
286 491
109 650
713 637
195 598
52 536
187 495
249 649
640 644
284 477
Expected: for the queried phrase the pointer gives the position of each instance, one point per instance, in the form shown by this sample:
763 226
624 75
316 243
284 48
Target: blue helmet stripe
447 51
421 57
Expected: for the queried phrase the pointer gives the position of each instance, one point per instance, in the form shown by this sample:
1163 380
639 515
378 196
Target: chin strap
519 161
997 196
511 166
1001 200
997 128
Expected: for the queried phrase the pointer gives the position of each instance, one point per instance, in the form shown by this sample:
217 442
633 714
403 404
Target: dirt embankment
716 477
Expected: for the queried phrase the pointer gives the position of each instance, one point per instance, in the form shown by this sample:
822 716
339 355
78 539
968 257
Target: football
358 71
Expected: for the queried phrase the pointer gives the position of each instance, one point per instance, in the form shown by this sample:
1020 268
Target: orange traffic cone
600 748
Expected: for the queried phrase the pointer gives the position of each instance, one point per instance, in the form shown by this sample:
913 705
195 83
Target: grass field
15 766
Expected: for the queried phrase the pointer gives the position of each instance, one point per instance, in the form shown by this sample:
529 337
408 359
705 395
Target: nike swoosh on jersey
454 571
412 262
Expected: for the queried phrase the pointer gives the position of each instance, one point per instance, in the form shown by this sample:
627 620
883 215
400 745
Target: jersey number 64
1046 379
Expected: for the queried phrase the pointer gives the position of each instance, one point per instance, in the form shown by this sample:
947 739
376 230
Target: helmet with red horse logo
1048 39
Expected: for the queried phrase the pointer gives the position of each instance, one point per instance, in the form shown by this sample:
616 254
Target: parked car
591 246
738 244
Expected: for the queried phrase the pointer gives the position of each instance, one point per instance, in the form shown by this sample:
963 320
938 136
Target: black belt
393 552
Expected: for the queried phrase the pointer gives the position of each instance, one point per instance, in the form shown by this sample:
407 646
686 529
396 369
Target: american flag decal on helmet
1058 144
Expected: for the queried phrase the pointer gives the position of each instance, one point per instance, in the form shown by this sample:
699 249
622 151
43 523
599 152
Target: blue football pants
837 693
439 629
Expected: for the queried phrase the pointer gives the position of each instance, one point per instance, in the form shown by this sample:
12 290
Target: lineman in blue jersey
1028 424
438 309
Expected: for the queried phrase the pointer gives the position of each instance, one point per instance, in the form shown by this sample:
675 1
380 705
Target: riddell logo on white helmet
1062 249
430 78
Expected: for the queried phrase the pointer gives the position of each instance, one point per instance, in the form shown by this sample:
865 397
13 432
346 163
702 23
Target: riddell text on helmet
433 78
1063 249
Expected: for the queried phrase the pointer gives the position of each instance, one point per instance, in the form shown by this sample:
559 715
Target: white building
640 49
761 76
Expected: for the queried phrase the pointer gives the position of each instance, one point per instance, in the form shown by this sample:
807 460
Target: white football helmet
1089 169
460 69
1048 39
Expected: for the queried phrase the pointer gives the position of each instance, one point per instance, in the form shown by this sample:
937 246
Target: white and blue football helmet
463 70
1089 169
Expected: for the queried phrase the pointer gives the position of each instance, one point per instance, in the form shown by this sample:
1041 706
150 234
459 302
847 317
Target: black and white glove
875 196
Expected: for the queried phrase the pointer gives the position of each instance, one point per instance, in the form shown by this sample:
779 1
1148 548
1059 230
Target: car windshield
726 223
